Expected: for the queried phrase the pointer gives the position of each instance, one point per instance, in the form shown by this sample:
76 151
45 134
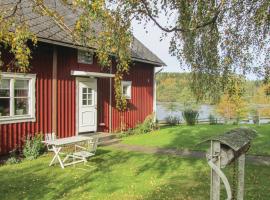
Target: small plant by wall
212 120
190 116
14 157
172 120
33 147
147 126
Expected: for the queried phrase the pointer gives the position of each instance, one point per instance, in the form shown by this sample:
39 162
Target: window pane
89 102
21 84
89 96
125 89
21 93
4 107
85 57
21 106
89 91
84 96
4 88
84 90
84 102
4 84
21 88
4 93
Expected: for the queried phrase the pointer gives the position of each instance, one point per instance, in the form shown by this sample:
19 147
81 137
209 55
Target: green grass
121 175
188 137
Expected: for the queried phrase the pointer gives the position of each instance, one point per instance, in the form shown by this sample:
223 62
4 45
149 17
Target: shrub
172 120
13 159
33 147
147 126
190 116
212 119
256 119
125 134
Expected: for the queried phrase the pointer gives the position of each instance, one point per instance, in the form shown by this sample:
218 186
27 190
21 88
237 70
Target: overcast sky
152 41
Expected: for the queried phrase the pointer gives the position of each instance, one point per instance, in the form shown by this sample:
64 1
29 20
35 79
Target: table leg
56 156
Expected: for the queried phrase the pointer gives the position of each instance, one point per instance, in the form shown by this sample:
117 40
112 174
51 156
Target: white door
88 105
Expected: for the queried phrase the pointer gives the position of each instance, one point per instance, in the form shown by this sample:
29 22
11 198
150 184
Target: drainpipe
110 106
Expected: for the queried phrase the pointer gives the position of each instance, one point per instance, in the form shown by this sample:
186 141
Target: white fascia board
91 74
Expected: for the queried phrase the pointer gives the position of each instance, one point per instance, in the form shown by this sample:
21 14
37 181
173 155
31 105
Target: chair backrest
50 136
92 145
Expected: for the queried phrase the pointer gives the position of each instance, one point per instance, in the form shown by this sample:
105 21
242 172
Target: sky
151 39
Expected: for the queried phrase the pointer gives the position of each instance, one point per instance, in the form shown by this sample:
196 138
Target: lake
205 110
163 111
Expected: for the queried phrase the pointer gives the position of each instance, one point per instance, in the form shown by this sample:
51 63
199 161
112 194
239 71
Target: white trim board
91 74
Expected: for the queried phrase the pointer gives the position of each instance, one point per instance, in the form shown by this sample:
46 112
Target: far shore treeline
254 98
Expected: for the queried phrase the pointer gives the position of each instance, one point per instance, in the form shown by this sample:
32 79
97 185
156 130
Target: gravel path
260 160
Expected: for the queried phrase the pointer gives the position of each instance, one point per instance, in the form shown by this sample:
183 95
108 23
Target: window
87 99
85 57
17 97
126 89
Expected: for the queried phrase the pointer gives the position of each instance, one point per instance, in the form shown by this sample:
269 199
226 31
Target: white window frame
31 117
81 57
129 85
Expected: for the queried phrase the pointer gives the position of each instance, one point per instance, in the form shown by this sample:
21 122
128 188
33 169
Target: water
163 111
205 110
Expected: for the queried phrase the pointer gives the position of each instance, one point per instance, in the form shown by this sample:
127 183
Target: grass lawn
121 175
187 137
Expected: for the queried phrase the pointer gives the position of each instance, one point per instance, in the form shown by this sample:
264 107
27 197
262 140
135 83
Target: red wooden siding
141 104
13 135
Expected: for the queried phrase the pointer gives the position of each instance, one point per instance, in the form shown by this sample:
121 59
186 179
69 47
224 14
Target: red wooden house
66 91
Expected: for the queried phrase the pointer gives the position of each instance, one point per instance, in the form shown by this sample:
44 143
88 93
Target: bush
147 126
13 160
125 134
212 119
256 119
190 116
33 147
14 157
172 120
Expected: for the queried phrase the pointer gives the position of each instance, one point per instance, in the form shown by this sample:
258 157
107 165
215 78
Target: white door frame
78 80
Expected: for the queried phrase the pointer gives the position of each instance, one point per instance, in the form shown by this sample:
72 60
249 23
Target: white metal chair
50 137
83 153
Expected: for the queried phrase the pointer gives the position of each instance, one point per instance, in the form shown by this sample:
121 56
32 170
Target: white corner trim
154 95
77 106
91 74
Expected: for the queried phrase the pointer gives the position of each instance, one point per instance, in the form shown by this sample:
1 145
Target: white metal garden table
57 145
